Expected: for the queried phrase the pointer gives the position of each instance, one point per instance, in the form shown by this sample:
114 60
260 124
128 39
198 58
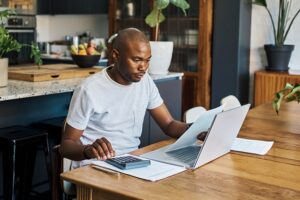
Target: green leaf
4 14
277 101
288 86
181 4
161 4
293 91
7 43
154 18
36 54
288 94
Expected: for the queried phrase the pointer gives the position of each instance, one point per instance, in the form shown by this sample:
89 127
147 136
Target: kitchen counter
23 89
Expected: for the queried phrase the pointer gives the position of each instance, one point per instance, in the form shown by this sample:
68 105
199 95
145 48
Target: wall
230 51
56 27
261 33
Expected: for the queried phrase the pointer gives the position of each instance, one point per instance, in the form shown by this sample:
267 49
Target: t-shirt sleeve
155 99
80 109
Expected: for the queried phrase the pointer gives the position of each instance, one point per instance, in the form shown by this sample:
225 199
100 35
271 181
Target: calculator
128 162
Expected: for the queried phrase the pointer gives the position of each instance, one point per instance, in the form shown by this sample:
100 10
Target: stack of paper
155 171
252 146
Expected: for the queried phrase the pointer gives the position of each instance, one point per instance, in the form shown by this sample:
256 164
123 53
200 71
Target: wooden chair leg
56 160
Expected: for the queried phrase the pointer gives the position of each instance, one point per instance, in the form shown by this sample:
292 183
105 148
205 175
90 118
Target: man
106 112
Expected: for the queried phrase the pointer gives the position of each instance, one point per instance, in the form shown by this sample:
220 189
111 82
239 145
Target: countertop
23 89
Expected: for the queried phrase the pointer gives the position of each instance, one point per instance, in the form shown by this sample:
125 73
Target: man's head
131 55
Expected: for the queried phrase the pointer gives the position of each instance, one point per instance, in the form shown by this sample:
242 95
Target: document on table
202 124
155 171
252 146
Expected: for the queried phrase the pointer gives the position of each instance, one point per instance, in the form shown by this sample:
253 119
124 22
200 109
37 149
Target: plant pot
3 72
161 57
278 57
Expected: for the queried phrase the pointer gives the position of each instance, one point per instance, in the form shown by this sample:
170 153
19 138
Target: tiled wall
56 27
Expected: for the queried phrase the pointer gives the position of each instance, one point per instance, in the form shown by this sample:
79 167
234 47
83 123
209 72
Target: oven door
23 36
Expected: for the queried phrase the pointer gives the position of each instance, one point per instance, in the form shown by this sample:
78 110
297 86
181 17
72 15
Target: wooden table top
235 175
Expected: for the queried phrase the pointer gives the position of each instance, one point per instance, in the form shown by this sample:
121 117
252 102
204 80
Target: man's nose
143 65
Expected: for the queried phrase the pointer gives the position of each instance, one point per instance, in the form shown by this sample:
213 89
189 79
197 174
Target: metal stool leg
9 171
27 171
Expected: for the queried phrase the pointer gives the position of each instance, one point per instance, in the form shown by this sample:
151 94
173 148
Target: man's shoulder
94 79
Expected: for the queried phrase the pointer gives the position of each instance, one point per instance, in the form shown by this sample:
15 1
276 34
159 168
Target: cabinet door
170 91
44 7
97 6
78 7
72 7
60 6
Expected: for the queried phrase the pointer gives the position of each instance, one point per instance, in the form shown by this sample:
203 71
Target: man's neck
116 76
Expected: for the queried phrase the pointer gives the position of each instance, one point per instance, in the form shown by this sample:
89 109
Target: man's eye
136 60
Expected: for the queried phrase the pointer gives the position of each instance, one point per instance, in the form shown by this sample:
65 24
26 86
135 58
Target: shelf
184 47
184 18
125 20
170 19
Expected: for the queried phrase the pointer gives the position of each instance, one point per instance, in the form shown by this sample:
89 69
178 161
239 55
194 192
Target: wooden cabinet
55 7
43 7
191 35
267 83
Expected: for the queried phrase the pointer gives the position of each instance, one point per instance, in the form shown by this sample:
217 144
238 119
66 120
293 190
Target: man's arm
163 118
72 148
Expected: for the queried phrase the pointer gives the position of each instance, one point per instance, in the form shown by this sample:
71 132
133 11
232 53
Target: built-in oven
22 7
23 29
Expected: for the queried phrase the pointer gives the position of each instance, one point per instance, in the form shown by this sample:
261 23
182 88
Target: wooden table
232 176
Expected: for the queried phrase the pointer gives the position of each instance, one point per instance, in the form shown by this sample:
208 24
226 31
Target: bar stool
53 127
19 146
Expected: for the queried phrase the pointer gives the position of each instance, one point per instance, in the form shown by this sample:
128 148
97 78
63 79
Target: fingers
103 149
202 135
109 148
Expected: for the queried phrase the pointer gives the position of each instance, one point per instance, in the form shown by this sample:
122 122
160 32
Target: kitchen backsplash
56 27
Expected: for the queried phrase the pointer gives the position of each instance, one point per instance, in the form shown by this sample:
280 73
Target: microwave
22 7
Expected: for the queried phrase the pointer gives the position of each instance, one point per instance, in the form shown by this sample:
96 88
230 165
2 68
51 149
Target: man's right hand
100 149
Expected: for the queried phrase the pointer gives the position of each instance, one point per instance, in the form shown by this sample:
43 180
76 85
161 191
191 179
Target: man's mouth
140 75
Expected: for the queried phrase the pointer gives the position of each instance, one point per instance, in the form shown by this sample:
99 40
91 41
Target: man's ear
115 55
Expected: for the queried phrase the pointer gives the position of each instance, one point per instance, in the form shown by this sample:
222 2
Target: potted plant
279 54
9 44
161 51
289 93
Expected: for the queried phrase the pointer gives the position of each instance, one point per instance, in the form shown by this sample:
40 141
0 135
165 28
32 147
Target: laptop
188 152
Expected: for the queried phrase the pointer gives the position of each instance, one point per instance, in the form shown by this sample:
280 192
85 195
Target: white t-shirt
104 108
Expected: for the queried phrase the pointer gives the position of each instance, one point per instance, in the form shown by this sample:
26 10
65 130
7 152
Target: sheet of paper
203 123
155 171
252 146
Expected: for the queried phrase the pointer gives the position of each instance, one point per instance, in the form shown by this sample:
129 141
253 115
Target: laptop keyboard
187 154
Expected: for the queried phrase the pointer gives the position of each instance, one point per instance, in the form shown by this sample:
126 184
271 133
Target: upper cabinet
190 34
60 7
